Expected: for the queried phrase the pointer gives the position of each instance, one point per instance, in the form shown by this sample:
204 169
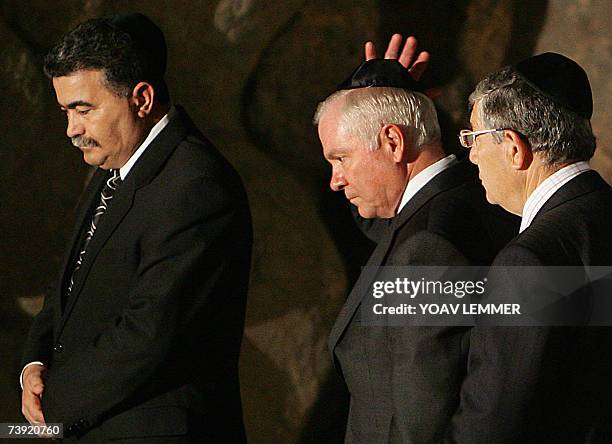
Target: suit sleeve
40 336
182 262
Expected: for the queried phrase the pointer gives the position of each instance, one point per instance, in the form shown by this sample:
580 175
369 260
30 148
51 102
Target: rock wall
251 73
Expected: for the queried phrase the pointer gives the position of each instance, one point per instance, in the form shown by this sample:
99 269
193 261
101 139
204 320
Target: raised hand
415 67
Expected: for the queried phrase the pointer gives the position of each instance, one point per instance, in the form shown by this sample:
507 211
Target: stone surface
251 72
581 29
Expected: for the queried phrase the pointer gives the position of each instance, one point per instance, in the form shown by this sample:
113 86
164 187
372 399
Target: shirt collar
157 128
423 177
547 188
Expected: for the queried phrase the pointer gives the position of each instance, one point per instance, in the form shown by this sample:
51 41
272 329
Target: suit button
59 347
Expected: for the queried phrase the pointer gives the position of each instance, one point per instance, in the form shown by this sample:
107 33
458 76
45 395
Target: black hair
99 44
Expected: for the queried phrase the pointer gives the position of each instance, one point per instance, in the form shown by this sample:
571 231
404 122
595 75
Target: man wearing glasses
532 140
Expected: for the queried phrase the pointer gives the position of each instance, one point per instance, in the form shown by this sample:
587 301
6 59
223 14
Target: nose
75 127
474 155
338 181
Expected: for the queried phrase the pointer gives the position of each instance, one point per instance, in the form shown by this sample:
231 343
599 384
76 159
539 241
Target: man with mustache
382 139
84 142
139 339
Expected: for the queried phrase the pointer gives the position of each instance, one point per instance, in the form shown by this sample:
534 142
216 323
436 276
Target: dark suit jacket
545 384
147 343
404 382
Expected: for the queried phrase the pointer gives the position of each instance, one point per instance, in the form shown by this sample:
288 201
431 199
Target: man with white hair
382 140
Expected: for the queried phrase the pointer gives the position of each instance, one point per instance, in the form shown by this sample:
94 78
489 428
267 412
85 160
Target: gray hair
507 101
367 110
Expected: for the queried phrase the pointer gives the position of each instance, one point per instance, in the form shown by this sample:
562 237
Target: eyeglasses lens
466 139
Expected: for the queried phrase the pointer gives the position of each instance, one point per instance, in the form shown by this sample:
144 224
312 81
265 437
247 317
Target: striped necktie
105 197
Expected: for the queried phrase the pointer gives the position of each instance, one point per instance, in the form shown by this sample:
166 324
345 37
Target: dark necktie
105 197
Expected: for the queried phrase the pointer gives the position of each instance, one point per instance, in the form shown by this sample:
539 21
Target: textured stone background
251 72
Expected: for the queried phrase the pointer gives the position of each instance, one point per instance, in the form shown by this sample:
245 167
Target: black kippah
560 79
148 39
380 72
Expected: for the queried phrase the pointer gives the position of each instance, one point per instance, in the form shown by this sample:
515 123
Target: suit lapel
457 174
89 198
145 169
117 209
359 290
155 156
584 183
447 179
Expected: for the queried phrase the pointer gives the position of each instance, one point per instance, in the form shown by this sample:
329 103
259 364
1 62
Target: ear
143 96
393 140
518 150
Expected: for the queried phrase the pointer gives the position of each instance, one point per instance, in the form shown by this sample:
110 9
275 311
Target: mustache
84 142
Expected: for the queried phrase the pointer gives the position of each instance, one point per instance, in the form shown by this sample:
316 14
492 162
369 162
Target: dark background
250 73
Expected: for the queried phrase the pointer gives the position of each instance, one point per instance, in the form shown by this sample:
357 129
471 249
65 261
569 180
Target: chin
91 162
95 161
366 213
91 159
491 199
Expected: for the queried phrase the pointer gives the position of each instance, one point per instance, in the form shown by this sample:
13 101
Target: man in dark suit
531 138
382 140
140 337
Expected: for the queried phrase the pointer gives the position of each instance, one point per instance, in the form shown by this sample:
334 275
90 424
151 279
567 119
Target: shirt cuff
23 370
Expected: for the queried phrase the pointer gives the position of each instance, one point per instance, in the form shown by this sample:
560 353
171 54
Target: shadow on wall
467 40
300 65
302 156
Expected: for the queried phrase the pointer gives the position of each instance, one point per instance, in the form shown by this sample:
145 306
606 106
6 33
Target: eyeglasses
467 137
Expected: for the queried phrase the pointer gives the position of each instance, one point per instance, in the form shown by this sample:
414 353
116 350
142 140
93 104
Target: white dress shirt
157 128
547 188
423 178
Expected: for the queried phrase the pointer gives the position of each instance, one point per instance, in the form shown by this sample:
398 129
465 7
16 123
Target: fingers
395 42
420 65
32 408
33 388
370 51
406 58
34 383
408 51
